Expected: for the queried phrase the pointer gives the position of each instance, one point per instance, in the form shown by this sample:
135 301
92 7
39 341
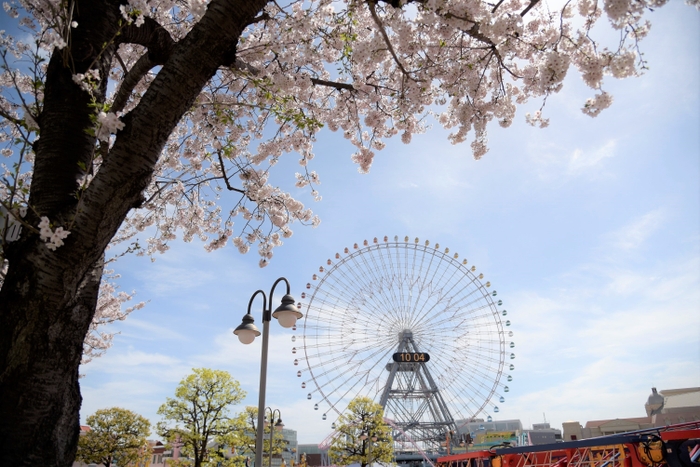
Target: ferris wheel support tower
411 396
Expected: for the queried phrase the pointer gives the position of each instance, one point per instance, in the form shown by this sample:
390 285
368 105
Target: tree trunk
48 298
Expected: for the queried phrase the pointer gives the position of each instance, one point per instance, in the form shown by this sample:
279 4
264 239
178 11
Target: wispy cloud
551 161
581 161
634 234
141 329
593 346
133 361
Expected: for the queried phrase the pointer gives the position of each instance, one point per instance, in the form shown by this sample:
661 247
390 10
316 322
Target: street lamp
287 314
367 446
274 426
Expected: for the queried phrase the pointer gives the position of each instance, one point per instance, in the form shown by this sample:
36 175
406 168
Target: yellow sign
499 435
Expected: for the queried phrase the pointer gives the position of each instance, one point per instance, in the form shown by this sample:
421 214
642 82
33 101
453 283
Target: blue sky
589 230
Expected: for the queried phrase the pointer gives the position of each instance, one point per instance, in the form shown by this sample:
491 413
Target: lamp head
247 331
279 425
363 435
287 313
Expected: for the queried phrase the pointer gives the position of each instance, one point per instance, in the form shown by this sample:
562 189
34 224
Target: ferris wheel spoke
378 277
350 281
347 357
441 280
333 298
349 386
466 320
474 382
424 313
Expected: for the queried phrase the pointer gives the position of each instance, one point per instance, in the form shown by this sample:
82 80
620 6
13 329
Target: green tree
363 437
199 413
116 435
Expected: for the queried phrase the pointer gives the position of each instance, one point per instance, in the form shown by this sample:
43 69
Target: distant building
473 426
540 433
665 407
290 453
484 434
312 453
157 458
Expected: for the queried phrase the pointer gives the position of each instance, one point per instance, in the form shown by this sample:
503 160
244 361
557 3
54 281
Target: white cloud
581 161
142 329
551 160
634 234
594 346
137 394
132 362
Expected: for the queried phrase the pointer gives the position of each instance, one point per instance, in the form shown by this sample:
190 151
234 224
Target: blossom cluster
52 237
134 11
367 70
107 124
87 81
109 309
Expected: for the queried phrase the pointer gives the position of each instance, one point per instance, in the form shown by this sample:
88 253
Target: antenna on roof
545 417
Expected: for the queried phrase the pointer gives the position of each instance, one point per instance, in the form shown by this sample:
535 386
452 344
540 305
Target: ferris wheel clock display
394 320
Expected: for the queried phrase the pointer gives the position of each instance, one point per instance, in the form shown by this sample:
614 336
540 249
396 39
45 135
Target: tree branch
529 7
496 6
243 66
379 24
223 171
333 84
142 66
159 44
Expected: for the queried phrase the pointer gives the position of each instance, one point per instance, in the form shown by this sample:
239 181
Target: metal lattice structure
413 398
404 296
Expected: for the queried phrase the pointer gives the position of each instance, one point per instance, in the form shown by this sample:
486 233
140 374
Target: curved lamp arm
247 331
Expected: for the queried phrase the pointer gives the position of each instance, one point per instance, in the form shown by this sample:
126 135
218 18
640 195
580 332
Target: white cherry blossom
369 70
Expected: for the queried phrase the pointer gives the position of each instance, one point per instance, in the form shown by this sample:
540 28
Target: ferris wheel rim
496 369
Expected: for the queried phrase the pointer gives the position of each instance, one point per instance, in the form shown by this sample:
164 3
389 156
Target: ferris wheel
383 301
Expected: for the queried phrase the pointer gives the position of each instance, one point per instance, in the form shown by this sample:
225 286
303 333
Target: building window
573 438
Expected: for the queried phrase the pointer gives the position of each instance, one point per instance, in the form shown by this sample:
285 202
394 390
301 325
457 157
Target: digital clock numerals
406 357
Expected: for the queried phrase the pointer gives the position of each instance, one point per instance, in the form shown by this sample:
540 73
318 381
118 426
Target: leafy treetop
115 436
362 436
199 413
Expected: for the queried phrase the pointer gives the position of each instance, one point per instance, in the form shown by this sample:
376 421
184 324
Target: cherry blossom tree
168 117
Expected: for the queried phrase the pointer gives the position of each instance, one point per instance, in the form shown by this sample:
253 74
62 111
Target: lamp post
363 437
372 439
287 314
274 426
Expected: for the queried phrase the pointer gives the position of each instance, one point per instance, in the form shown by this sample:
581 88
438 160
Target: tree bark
48 298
